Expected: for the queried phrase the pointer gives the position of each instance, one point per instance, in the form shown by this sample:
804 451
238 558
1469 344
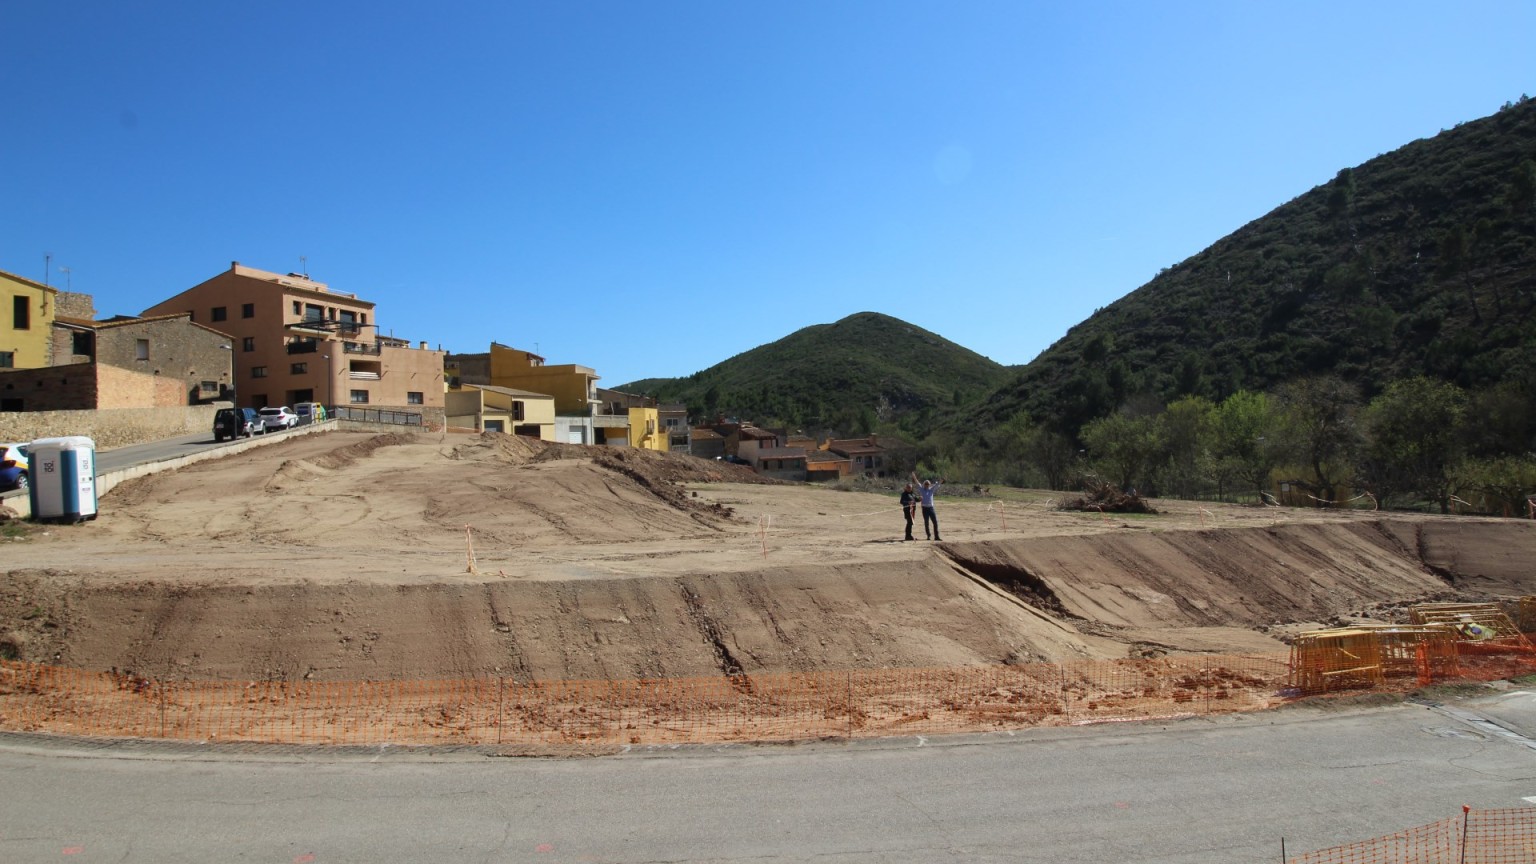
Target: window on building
348 319
21 312
298 368
248 310
314 312
362 318
141 349
359 397
83 344
7 359
248 343
517 411
298 308
413 397
220 313
331 311
208 388
258 371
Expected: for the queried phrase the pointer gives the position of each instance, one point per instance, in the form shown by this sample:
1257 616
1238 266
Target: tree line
1422 442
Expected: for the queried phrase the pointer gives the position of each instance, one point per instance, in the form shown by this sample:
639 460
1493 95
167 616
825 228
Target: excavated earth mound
351 556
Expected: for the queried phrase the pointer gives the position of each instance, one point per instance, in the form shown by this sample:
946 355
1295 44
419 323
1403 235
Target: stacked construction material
1473 622
1526 616
1367 656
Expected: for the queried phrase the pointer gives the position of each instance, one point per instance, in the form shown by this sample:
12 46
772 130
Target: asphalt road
1199 791
159 451
155 451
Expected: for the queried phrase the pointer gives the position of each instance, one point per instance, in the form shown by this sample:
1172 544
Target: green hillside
864 370
1420 261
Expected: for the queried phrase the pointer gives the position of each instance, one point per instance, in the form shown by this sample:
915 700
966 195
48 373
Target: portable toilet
62 485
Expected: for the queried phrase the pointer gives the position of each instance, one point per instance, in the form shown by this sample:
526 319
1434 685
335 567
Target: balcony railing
359 348
363 376
307 346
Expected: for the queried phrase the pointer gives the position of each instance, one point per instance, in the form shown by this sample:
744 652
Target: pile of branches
1104 498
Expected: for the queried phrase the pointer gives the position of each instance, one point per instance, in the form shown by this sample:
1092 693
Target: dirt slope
344 556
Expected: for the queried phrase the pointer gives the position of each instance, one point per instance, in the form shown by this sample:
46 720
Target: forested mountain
1420 261
1373 337
866 370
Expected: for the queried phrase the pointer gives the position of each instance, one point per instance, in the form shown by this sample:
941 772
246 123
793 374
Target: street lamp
330 388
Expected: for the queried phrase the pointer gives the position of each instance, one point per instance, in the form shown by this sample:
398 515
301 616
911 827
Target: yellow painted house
574 387
645 430
26 333
487 408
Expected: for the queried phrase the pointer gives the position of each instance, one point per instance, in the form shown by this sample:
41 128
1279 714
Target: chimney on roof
423 344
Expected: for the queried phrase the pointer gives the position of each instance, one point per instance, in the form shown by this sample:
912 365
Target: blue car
13 467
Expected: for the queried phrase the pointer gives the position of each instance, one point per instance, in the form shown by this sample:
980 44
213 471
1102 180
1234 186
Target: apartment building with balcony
295 339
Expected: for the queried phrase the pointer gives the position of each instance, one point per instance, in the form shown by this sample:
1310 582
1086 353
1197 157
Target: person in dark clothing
925 493
909 508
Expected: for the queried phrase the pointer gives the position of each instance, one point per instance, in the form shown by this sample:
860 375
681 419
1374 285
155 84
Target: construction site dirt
353 557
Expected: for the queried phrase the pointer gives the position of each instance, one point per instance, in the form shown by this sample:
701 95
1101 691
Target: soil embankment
348 557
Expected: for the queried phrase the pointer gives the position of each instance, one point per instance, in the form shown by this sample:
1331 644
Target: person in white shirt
925 491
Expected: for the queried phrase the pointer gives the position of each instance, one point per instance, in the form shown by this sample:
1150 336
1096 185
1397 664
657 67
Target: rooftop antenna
47 266
304 266
69 282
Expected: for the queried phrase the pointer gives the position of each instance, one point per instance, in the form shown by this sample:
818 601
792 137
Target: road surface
159 451
1202 791
108 461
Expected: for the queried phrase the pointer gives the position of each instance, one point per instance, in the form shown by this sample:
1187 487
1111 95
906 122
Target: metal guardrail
374 415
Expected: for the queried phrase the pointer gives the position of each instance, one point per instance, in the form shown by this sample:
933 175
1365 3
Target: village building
295 339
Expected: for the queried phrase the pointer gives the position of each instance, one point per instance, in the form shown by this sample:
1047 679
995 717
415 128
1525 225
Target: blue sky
651 188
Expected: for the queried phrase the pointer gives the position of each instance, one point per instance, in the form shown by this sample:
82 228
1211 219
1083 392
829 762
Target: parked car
14 467
235 423
278 418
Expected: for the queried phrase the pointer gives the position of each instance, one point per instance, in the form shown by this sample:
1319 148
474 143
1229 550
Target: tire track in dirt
709 628
147 656
503 626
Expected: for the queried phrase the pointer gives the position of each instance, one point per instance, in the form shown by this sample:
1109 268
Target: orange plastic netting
754 707
1475 837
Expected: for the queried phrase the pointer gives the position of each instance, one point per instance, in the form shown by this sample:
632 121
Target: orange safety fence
1476 837
750 707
